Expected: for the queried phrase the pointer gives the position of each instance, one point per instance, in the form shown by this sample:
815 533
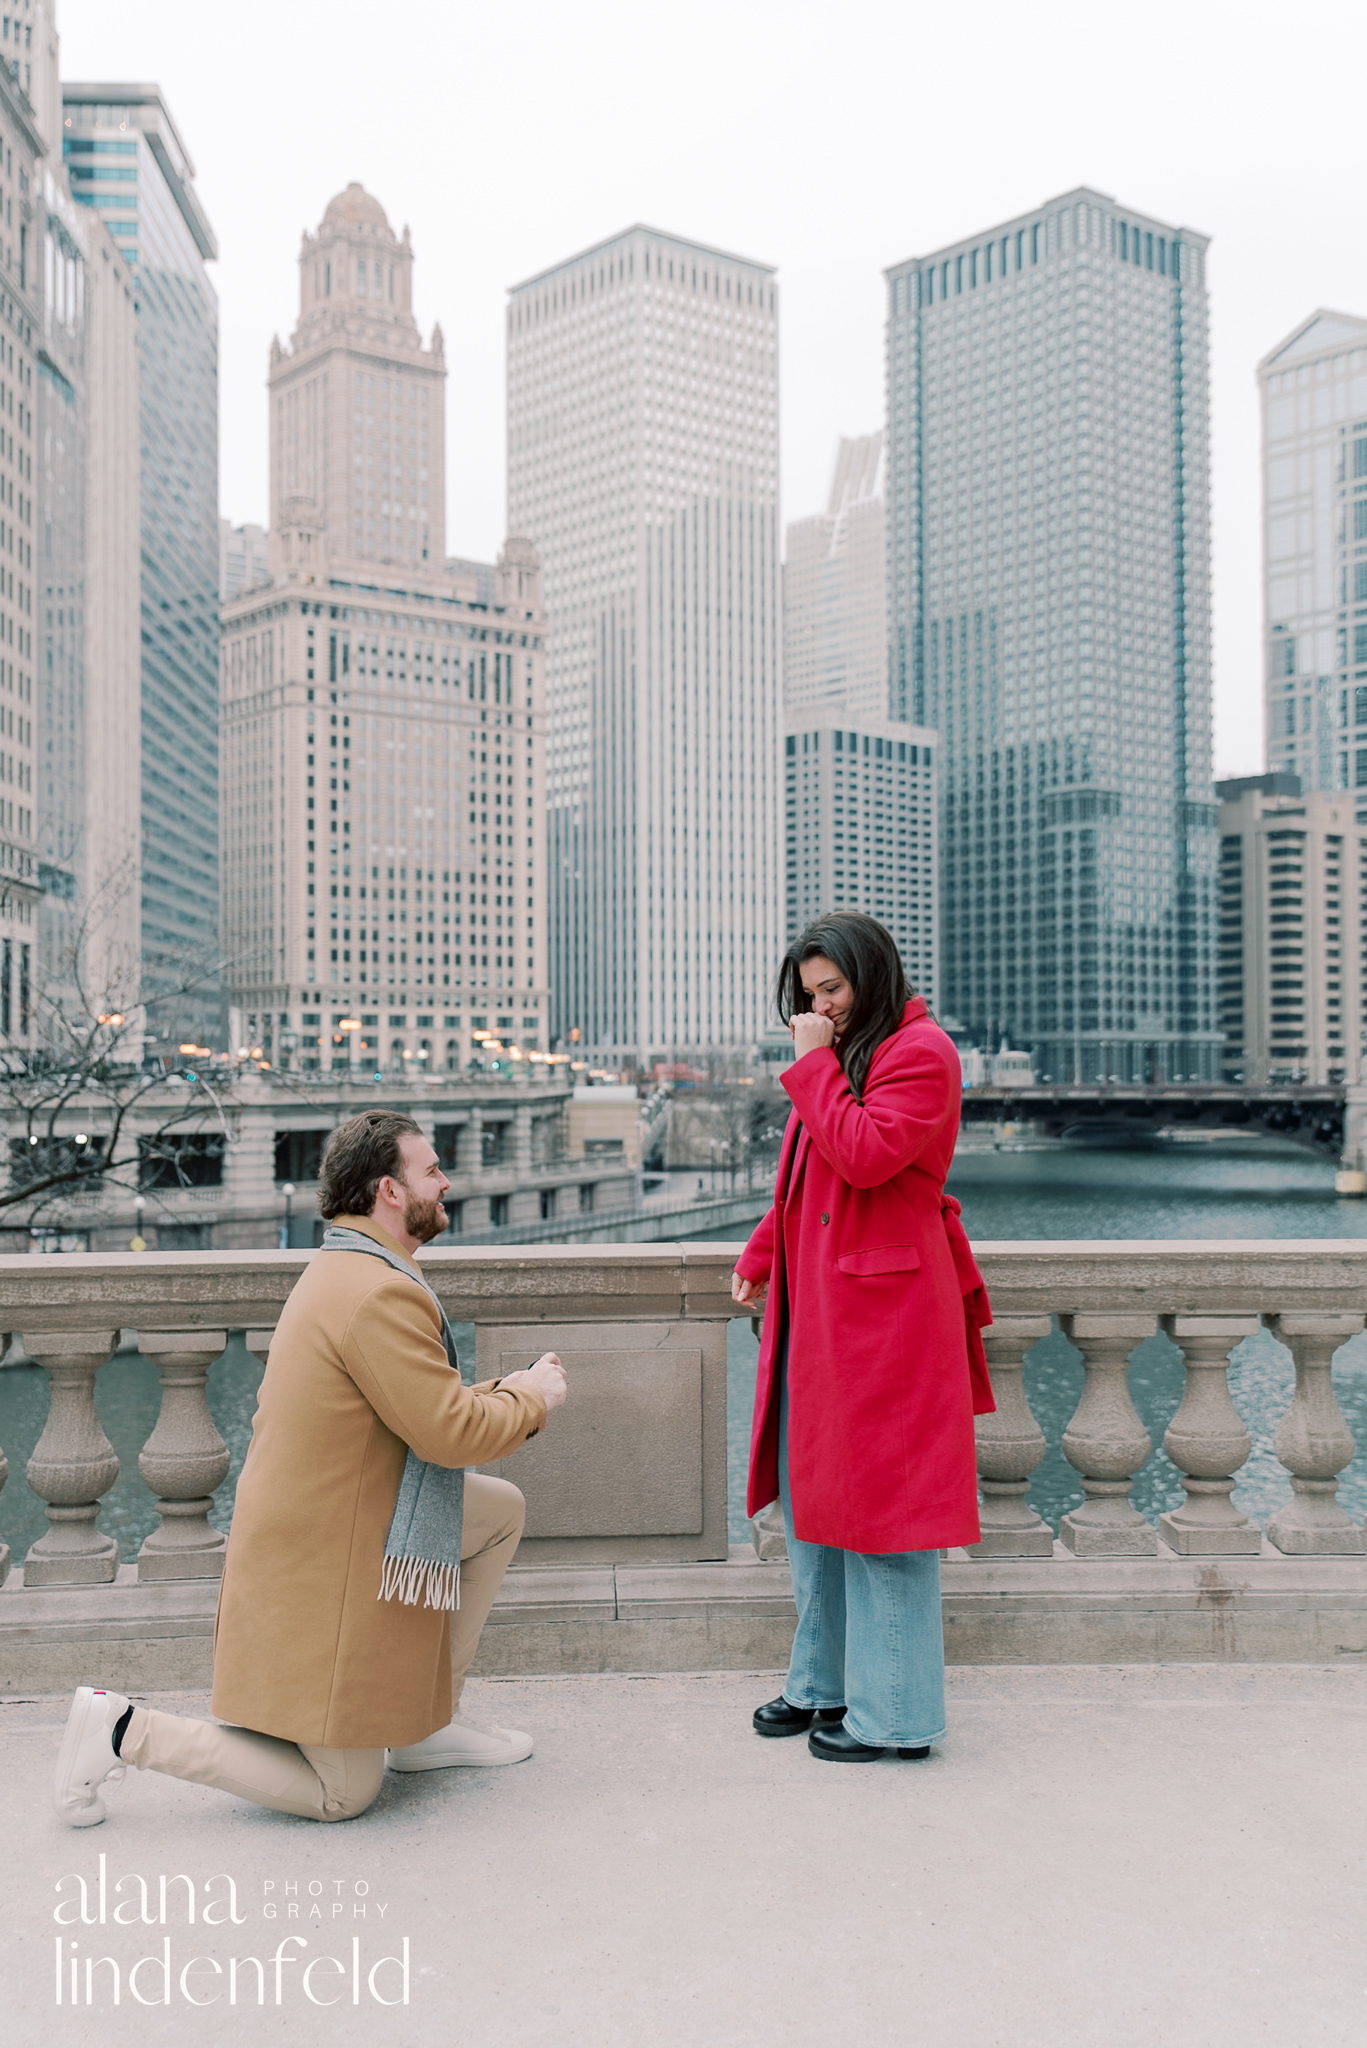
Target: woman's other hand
749 1293
810 1032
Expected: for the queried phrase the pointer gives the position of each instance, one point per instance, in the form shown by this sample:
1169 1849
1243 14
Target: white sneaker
462 1741
87 1756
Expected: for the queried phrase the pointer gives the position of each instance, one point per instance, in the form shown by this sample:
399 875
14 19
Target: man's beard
423 1220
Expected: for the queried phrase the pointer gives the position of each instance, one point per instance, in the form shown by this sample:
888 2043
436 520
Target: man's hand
811 1032
546 1377
750 1293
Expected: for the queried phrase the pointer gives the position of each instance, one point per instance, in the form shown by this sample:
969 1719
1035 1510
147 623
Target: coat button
824 1217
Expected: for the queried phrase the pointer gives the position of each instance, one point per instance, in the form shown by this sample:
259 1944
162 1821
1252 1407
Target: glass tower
643 466
125 158
1314 402
835 603
1049 582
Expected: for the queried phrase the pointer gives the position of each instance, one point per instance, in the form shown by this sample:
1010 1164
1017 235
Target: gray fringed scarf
422 1549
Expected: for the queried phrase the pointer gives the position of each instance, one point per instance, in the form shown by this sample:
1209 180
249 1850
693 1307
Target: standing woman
871 1364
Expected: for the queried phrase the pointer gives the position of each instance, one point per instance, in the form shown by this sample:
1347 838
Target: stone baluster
184 1459
73 1464
1010 1445
1314 1443
1207 1442
1107 1442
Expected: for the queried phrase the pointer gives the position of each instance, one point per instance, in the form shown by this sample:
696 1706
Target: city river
1227 1190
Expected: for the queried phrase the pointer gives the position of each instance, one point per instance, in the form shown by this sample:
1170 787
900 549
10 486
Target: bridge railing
635 1466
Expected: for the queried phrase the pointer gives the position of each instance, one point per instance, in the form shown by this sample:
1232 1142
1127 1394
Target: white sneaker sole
80 1806
449 1760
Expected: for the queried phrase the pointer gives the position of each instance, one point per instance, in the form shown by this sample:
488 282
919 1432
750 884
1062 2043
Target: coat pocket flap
886 1258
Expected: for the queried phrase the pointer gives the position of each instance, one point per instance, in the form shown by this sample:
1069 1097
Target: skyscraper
835 624
241 558
383 722
859 787
82 514
125 157
356 320
1293 883
1313 388
859 799
1049 611
88 625
643 463
21 148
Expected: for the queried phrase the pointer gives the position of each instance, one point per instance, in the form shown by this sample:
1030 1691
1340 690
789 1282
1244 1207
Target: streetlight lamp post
288 1192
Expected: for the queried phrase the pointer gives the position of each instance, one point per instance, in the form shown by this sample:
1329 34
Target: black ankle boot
838 1746
779 1717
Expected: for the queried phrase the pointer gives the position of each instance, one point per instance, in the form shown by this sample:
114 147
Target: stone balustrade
633 1474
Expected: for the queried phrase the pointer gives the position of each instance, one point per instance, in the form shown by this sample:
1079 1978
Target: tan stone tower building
357 348
382 714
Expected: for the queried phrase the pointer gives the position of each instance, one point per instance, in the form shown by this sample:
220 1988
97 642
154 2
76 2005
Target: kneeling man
363 1560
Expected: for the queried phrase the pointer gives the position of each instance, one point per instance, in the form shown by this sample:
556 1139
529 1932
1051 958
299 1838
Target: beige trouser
332 1784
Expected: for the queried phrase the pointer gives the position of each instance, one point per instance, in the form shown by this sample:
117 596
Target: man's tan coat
303 1647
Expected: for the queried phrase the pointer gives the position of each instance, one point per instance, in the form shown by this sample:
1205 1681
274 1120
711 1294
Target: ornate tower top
358 466
355 270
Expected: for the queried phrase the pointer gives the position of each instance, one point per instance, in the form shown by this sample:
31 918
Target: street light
138 1243
288 1192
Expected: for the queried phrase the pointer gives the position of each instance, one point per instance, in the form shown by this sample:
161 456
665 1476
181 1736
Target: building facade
861 827
21 150
242 558
1313 389
835 599
643 464
125 159
1293 883
1048 560
383 726
88 624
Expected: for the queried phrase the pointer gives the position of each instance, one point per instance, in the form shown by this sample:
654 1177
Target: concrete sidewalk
1124 1857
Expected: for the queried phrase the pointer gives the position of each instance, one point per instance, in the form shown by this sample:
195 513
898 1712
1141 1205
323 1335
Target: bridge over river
1326 1119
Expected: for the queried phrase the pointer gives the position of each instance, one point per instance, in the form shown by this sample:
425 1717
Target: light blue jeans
869 1634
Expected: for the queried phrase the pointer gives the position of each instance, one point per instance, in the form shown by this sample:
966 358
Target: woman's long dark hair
866 954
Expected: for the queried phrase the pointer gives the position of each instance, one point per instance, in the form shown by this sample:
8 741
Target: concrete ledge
738 1616
1061 1610
127 1635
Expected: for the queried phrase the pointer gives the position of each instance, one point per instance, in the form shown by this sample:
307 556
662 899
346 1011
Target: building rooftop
164 140
640 228
1086 193
1323 332
1277 783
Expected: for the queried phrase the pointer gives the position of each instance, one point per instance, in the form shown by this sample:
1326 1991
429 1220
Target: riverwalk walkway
1166 1856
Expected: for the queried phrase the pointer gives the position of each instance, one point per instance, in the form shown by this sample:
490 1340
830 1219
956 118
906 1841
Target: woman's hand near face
749 1293
811 1032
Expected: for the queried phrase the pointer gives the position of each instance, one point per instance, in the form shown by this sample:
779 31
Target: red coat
885 1361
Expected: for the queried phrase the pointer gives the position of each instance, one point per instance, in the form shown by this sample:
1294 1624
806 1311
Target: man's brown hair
359 1154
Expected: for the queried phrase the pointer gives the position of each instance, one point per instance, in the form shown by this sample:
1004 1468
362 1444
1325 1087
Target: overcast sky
828 140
